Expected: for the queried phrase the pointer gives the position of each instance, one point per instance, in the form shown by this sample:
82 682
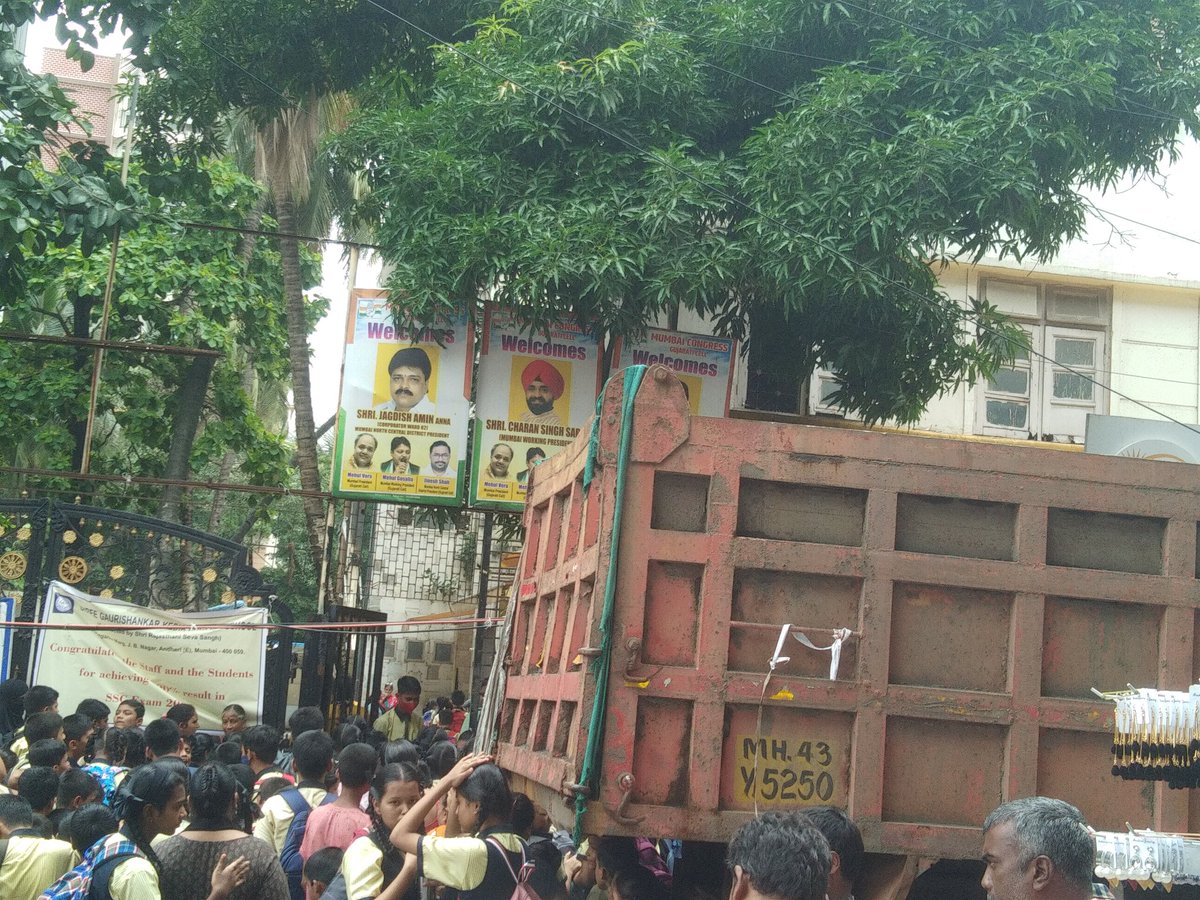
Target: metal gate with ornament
136 558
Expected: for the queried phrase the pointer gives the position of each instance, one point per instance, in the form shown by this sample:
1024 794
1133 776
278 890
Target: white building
1121 305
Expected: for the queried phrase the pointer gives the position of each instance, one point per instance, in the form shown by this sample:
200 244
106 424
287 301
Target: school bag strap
104 869
294 799
90 879
521 890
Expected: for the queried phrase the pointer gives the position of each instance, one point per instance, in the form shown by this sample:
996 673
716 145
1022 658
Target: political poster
159 666
535 392
405 407
703 363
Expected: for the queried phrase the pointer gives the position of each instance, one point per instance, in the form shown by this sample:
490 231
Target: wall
1156 348
1153 344
93 92
402 564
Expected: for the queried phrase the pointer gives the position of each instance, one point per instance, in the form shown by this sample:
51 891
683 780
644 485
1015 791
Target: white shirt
425 406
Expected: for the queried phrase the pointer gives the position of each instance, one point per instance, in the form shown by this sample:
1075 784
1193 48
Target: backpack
289 856
522 890
89 880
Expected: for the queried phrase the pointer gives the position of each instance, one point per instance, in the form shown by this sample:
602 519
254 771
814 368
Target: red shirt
332 826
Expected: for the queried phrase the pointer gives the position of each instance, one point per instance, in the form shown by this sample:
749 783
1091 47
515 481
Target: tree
82 200
789 169
159 415
278 62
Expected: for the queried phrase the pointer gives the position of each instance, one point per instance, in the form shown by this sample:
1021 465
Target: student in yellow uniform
480 855
31 863
372 867
312 757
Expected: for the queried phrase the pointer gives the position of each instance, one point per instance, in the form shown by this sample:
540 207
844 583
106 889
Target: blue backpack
289 856
89 880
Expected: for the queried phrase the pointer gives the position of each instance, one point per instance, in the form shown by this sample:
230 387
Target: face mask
405 707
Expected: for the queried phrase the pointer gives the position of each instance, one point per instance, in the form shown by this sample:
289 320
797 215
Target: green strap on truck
600 664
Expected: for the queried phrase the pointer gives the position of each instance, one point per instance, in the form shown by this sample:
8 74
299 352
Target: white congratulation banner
159 666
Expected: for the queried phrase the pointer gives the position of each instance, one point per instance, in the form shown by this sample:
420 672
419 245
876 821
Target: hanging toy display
1156 736
1147 857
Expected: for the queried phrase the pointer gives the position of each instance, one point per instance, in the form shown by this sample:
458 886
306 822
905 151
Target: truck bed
987 589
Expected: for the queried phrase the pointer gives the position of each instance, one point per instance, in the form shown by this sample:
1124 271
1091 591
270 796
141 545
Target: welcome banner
535 392
159 666
703 363
405 407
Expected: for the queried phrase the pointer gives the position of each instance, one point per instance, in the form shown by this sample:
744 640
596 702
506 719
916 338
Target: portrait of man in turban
543 385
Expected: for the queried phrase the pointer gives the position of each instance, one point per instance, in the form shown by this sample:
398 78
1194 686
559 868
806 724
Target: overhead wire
958 311
456 624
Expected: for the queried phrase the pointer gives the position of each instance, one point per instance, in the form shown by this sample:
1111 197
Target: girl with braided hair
373 868
109 766
152 801
221 818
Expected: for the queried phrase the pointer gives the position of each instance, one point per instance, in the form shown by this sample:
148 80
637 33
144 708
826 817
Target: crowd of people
104 805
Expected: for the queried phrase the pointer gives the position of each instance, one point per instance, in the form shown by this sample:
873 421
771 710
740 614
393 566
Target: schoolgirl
152 801
480 855
372 868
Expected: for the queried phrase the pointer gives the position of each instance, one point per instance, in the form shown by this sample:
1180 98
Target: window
415 650
821 389
1048 393
443 653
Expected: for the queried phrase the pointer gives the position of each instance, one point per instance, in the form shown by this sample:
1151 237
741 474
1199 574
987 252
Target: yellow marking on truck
790 771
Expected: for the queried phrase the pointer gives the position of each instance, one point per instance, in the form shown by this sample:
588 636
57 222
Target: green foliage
266 58
187 287
82 200
293 573
772 160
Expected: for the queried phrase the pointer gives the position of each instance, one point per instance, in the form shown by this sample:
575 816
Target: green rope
600 665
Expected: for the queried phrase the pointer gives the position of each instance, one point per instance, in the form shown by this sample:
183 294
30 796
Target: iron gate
343 668
136 558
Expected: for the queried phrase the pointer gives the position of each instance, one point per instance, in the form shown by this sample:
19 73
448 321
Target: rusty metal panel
1098 643
662 736
941 772
927 618
800 512
1078 768
680 502
967 676
952 527
1097 540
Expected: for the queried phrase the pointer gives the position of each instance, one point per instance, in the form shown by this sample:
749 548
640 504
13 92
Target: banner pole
477 669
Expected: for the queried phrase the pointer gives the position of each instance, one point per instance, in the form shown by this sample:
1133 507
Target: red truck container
987 588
